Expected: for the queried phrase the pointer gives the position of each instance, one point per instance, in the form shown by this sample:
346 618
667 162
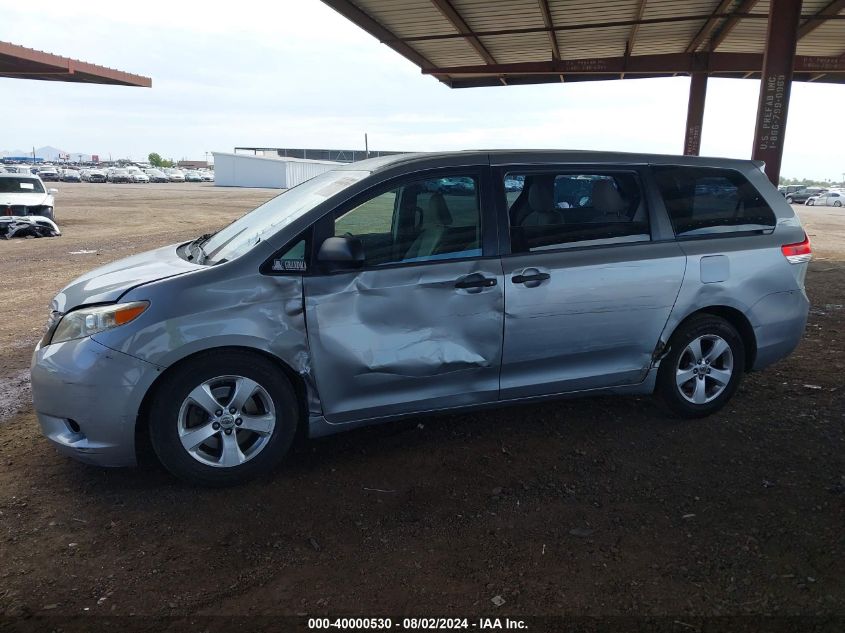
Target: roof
425 160
278 159
466 43
19 62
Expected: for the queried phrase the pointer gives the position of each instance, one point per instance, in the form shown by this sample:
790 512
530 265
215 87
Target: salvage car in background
193 176
802 195
70 175
833 198
26 207
156 175
49 173
117 174
93 175
416 283
174 175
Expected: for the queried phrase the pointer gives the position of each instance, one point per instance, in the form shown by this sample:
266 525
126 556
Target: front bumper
87 397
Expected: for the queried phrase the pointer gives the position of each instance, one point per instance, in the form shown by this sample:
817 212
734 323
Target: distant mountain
48 153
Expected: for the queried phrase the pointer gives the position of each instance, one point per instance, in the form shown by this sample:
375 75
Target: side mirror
51 191
341 252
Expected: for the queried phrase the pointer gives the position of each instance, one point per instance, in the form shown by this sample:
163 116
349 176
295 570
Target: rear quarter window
708 200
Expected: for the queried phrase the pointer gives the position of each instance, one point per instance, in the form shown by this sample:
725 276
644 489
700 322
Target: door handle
476 282
521 279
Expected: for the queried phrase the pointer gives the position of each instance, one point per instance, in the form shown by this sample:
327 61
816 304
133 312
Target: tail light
798 253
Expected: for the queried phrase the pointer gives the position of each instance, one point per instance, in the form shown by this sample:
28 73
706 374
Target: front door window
423 220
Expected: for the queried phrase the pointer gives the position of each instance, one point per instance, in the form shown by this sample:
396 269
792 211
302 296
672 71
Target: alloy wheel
226 421
705 368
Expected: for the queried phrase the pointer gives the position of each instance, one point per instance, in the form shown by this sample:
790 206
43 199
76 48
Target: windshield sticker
288 265
27 185
337 185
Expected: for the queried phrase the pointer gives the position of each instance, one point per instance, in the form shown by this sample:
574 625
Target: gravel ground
597 507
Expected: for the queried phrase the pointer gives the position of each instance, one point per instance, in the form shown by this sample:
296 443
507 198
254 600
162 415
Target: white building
246 170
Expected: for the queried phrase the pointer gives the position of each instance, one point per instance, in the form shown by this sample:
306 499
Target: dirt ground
593 507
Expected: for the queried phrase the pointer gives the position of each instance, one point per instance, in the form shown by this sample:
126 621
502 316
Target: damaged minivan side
423 283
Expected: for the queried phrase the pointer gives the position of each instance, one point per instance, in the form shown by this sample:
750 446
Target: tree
155 159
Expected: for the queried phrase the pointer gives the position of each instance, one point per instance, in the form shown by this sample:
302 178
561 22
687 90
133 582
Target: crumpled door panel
404 339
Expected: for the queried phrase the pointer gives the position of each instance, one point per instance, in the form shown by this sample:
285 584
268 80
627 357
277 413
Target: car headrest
541 195
606 199
437 208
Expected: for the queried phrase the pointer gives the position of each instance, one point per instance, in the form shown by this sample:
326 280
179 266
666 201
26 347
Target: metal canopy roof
20 62
466 43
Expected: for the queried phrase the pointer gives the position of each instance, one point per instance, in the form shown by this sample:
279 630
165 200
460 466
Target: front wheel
789 199
810 203
837 204
223 417
703 367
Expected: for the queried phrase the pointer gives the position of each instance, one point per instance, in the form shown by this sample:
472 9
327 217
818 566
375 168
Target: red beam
450 13
811 25
708 27
669 63
695 114
19 61
776 84
374 28
661 64
550 25
731 22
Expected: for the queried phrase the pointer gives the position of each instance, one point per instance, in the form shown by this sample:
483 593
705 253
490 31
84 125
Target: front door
587 290
419 326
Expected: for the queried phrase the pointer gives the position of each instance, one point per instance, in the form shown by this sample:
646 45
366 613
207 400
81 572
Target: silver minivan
423 283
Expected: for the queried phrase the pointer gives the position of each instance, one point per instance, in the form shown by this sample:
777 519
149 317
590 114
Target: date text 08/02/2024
413 624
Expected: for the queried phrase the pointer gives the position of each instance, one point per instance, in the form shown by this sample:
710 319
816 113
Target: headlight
89 321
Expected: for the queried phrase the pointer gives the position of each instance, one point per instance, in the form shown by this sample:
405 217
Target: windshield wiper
195 250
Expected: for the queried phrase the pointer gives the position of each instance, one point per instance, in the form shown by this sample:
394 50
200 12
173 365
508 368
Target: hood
107 283
28 199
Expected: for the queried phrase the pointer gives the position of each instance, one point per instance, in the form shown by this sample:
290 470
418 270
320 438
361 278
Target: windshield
244 233
21 185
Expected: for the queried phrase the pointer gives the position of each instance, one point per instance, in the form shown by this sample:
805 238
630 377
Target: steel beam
695 114
776 84
708 27
665 64
811 25
550 25
744 7
456 20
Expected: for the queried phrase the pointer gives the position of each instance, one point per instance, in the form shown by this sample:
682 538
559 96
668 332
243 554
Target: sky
293 73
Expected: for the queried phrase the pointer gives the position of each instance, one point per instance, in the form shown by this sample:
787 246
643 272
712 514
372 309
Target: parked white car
26 207
175 175
834 198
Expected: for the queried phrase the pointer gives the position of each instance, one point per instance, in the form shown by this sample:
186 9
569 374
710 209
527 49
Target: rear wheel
223 418
789 199
703 367
810 202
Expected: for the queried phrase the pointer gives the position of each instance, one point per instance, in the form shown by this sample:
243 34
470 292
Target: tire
228 452
837 204
810 203
687 394
789 199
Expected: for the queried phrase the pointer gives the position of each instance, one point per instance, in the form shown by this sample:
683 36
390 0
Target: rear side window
574 209
706 200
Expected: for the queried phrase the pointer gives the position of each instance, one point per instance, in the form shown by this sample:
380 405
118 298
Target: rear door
591 277
419 326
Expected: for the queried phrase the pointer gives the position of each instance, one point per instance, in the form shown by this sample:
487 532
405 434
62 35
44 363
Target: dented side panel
594 323
198 312
404 339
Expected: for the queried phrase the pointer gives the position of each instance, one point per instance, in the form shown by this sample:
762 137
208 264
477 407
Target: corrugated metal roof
493 42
